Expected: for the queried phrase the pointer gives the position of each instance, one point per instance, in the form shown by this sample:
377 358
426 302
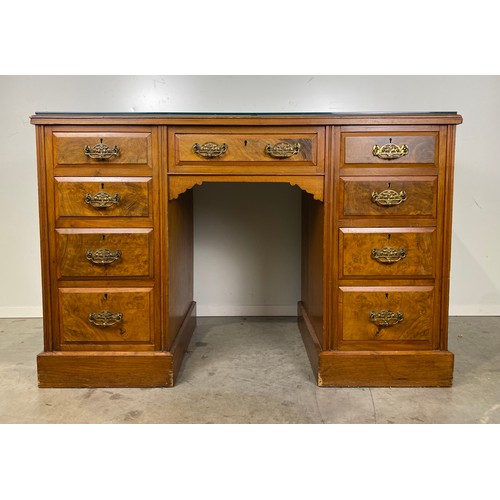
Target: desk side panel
312 262
180 262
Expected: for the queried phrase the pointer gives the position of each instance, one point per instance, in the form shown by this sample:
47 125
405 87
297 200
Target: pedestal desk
116 222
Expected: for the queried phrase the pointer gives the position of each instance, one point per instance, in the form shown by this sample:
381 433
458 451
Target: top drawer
389 149
101 148
246 150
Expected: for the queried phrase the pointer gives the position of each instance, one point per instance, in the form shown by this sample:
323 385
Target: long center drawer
247 150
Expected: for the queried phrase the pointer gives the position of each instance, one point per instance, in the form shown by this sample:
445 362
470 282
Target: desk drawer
387 252
102 148
112 316
388 196
104 253
381 318
388 149
244 150
102 197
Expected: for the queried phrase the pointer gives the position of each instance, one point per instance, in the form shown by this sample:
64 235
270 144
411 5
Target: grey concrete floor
254 370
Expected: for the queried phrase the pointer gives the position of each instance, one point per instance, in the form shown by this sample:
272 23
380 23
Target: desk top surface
312 118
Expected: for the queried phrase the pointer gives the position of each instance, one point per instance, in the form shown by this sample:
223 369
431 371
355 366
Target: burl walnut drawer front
102 148
104 253
388 149
286 150
388 196
102 197
111 316
387 252
371 316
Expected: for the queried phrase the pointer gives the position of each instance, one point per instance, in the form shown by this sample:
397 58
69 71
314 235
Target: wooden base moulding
375 368
117 369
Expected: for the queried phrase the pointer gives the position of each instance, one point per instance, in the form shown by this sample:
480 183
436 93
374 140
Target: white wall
475 286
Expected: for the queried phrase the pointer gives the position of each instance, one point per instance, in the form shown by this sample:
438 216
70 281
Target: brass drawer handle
210 149
105 318
390 151
101 151
101 200
282 149
386 317
388 255
103 256
389 198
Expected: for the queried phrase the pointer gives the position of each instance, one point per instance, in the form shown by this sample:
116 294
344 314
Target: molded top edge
314 118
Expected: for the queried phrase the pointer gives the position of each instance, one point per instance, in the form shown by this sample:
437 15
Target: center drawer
104 253
246 150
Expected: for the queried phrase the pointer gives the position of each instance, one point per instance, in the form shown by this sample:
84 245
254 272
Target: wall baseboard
21 312
263 310
475 310
222 310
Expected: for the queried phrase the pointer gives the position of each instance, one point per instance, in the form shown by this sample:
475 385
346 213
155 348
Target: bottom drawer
106 316
380 318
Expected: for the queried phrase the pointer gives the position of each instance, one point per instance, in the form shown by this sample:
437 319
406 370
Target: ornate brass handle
388 255
390 151
210 149
101 151
105 318
103 256
101 200
388 198
282 149
386 317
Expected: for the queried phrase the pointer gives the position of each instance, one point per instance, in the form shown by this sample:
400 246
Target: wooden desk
117 239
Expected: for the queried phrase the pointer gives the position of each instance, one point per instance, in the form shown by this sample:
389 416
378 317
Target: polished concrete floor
254 370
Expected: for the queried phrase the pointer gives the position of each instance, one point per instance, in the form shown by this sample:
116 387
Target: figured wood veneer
363 322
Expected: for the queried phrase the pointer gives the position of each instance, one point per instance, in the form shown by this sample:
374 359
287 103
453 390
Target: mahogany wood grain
44 228
312 286
393 120
416 304
134 196
180 345
104 369
153 282
180 263
312 184
246 150
135 247
135 306
134 147
356 196
311 342
385 369
416 247
357 148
